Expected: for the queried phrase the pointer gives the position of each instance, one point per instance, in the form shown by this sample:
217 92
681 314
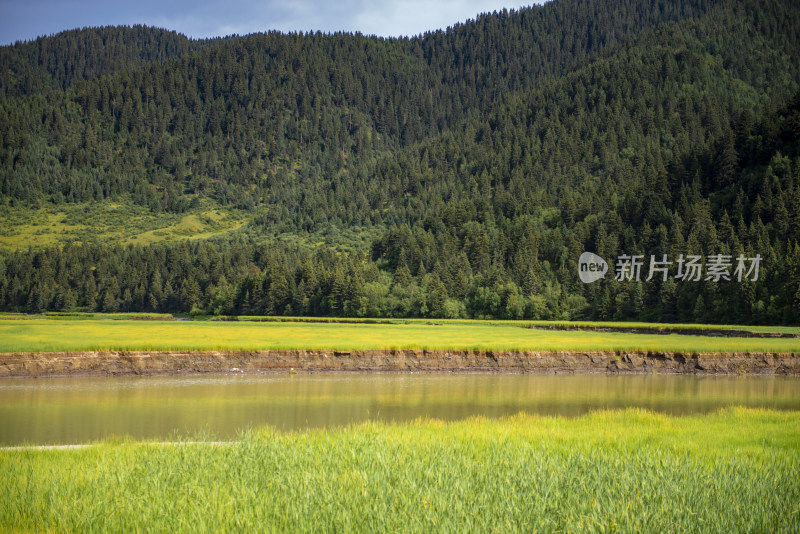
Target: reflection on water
77 410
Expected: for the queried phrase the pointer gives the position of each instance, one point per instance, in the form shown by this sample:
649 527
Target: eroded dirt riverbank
394 360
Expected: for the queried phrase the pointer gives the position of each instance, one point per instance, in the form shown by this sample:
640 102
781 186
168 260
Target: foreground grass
69 334
736 470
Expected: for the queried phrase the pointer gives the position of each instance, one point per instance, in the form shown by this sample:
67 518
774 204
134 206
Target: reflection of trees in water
77 410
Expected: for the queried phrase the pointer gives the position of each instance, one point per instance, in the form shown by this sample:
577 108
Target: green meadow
119 222
632 470
652 327
65 333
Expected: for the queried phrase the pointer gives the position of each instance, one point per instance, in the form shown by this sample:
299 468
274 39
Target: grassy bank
654 327
735 330
67 334
735 470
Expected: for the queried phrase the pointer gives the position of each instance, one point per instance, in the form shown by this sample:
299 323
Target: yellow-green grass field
17 334
655 327
631 470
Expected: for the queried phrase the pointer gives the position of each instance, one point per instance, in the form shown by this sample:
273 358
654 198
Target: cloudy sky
28 19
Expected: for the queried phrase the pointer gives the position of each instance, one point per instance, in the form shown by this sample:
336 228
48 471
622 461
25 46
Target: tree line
489 156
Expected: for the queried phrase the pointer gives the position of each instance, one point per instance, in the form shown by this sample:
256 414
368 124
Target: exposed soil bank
406 360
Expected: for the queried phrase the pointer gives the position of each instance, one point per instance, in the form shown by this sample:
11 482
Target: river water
78 410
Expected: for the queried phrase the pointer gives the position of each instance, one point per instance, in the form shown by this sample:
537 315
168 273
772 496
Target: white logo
629 268
591 267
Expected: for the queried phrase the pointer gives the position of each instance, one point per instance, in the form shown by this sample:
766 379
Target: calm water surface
78 410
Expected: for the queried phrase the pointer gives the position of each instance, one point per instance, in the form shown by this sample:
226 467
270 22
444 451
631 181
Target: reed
631 470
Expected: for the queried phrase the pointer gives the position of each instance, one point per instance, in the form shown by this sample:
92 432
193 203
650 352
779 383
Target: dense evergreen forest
487 157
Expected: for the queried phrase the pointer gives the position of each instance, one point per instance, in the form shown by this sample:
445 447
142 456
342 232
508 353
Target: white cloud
418 16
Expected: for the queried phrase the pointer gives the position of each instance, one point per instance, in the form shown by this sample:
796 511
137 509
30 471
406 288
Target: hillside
60 61
458 173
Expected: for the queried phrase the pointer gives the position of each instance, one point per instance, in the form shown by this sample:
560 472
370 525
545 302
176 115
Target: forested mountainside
59 61
488 157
